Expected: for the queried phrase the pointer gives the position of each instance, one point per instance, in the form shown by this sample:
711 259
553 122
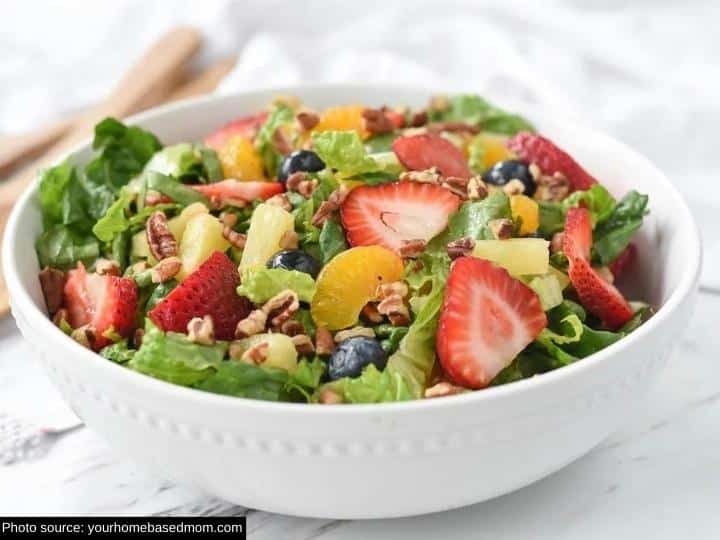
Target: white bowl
373 461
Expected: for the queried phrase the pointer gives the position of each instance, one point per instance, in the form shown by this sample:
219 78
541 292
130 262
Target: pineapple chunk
280 353
562 277
528 211
140 248
519 256
202 237
269 223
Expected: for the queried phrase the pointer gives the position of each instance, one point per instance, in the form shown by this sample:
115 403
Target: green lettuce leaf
280 115
239 379
613 235
345 152
472 219
159 293
390 336
331 240
61 247
474 109
118 352
187 161
551 218
261 284
597 200
114 221
306 378
178 192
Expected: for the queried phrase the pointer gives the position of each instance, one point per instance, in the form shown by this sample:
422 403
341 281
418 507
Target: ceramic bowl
373 461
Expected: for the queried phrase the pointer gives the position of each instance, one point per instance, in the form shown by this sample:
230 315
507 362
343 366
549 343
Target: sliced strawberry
247 126
421 152
550 158
598 296
235 190
624 261
389 214
397 119
209 290
106 303
488 317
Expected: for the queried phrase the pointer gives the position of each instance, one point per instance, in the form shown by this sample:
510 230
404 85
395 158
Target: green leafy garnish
118 352
344 152
178 192
187 161
280 115
261 284
475 110
332 239
613 235
61 247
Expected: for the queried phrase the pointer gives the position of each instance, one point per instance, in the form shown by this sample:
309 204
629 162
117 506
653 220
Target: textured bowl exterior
367 461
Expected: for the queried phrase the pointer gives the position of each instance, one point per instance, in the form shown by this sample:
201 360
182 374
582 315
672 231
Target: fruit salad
346 255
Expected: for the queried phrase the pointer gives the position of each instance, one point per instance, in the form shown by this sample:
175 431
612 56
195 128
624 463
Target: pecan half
357 331
201 330
303 344
456 185
256 354
411 249
442 389
292 328
281 307
237 239
476 189
324 344
161 241
307 120
514 187
281 200
332 204
460 247
52 282
502 228
106 267
376 122
165 270
253 324
371 314
394 308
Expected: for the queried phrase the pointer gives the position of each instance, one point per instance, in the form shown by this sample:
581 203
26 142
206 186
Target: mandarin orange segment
343 118
240 160
494 149
349 281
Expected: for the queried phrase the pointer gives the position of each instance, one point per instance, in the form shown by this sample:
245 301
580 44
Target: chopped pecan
419 118
137 338
228 219
371 314
153 198
442 389
303 344
502 228
324 343
292 327
52 282
333 203
289 240
356 331
428 176
460 247
457 185
411 249
107 267
549 188
514 187
281 200
235 238
377 122
60 316
218 202
295 179
307 188
476 189
253 324
396 287
201 330
161 241
281 307
256 354
556 243
393 306
453 127
165 270
307 120
330 397
85 335
280 142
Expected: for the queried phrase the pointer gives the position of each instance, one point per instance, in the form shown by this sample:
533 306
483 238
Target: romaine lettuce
261 284
475 110
280 115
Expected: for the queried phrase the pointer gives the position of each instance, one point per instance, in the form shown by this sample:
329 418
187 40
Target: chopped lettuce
548 289
172 357
390 336
613 235
62 247
346 153
551 218
167 185
118 352
159 293
261 284
186 160
331 240
472 220
475 110
114 221
596 199
280 115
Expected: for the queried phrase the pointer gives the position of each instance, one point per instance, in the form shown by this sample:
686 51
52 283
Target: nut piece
412 249
419 118
476 189
201 331
333 203
324 344
289 240
161 241
376 122
235 238
292 327
514 187
256 354
453 127
549 188
395 309
357 331
165 270
388 289
252 324
428 176
502 228
280 200
281 307
371 314
52 282
460 247
228 219
281 143
307 120
105 267
443 389
301 183
85 335
556 243
303 344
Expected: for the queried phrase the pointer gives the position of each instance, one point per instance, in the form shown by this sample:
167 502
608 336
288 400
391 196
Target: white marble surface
649 73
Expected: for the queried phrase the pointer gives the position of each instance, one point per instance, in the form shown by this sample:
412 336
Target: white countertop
658 476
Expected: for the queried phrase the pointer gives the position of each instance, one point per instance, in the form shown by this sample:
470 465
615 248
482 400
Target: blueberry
300 160
352 355
295 259
504 171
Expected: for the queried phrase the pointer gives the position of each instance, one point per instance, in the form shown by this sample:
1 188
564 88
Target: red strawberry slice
390 214
598 296
106 303
488 317
550 158
397 119
235 190
209 290
420 152
624 261
247 126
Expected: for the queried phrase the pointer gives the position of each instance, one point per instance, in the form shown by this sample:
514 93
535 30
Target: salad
349 255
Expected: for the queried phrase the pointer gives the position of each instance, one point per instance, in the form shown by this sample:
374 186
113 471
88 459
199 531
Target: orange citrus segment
240 160
494 148
528 211
349 281
343 118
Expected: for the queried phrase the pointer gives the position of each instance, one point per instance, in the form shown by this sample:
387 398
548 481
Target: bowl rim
23 303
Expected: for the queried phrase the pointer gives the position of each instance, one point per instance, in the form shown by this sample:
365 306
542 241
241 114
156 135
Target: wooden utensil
159 64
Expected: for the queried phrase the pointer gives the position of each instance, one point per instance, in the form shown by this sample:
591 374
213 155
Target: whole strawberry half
488 317
598 296
235 190
106 303
624 261
390 214
550 158
209 290
246 126
421 152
